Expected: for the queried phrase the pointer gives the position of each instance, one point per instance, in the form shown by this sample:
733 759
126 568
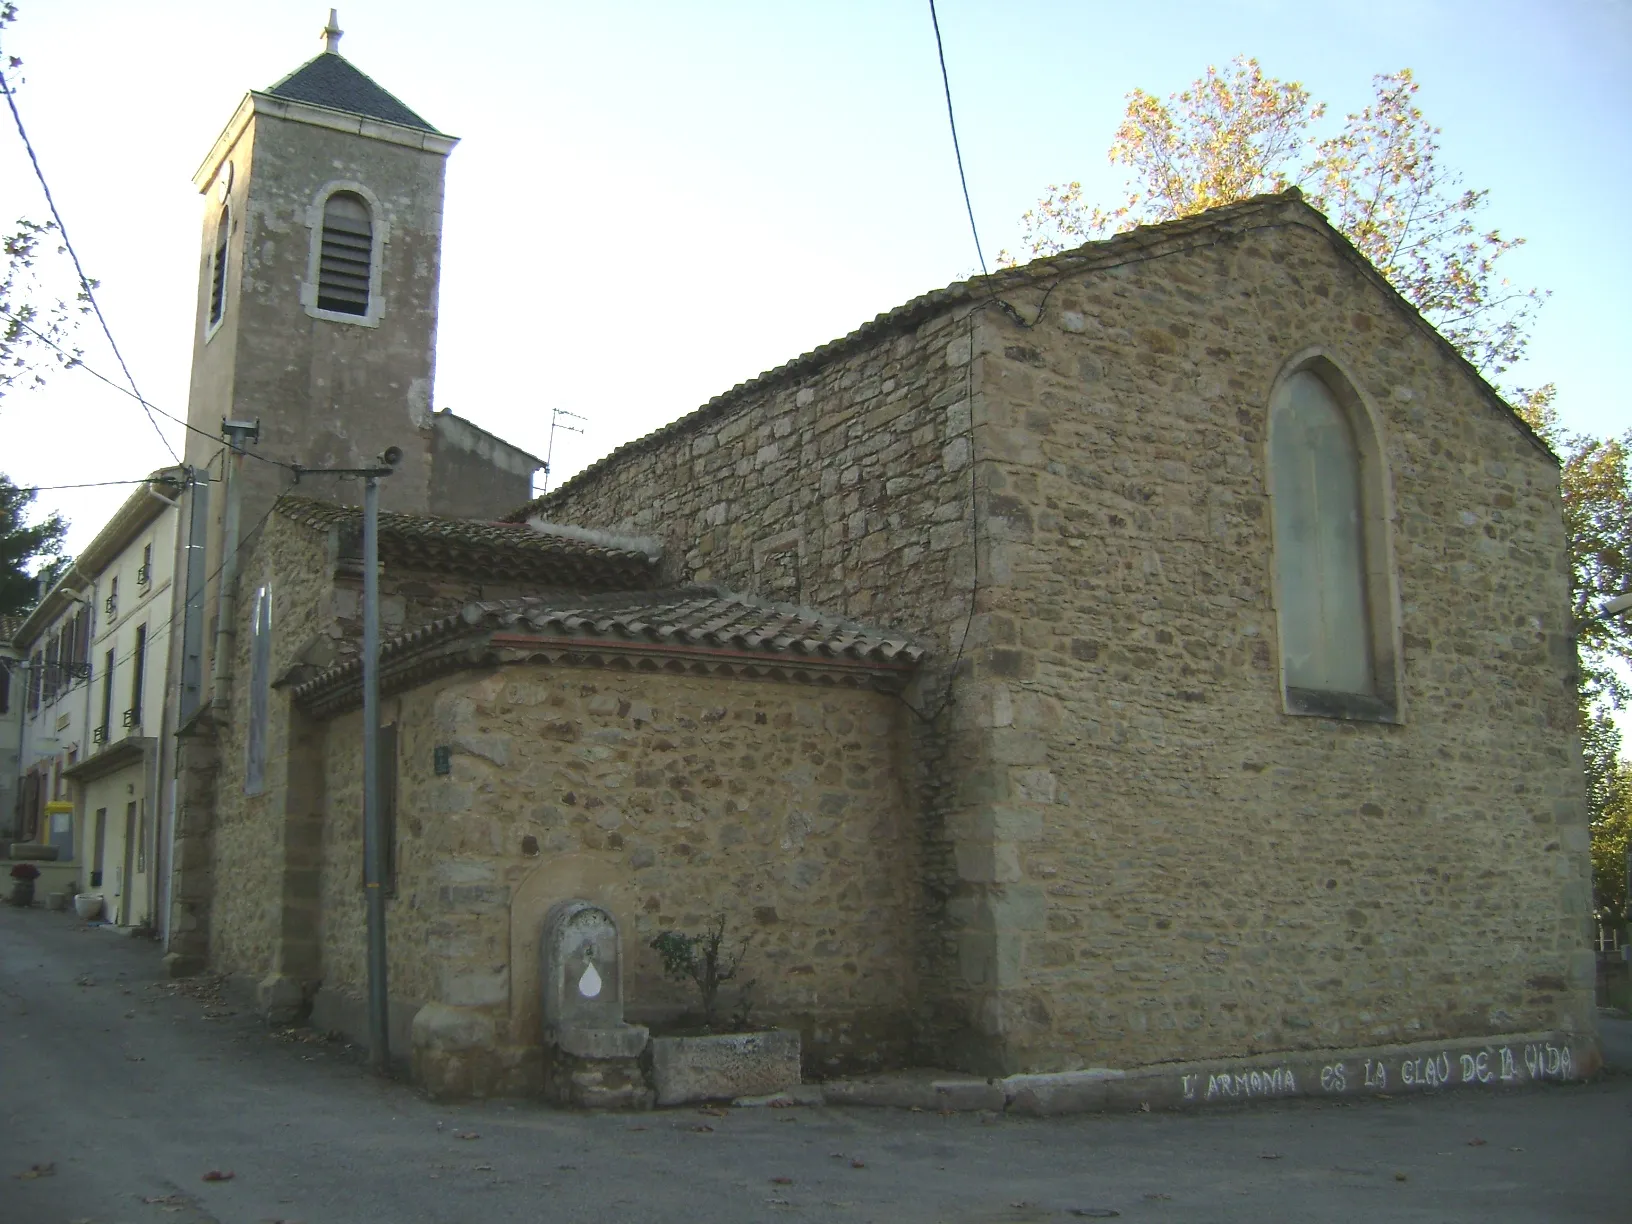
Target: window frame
257 725
380 236
1386 703
220 270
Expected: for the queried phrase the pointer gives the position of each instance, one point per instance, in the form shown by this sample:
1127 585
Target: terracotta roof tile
697 628
482 549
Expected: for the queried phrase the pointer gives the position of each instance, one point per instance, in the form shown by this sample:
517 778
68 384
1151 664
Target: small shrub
705 961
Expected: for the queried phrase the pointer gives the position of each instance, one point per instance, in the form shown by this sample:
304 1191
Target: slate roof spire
332 81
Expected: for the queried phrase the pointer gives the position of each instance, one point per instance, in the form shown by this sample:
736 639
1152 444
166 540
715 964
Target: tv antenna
549 451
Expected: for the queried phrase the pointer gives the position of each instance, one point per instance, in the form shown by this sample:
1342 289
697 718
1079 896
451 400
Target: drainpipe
237 433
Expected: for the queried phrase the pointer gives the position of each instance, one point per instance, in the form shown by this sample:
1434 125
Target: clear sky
653 201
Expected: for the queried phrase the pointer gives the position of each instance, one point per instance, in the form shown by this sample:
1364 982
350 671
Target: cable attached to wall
952 122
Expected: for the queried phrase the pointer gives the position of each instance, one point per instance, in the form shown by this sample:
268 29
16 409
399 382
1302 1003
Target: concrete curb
1508 1061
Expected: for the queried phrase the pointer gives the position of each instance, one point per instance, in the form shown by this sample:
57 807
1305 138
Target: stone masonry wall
1130 854
843 482
1201 874
252 851
669 799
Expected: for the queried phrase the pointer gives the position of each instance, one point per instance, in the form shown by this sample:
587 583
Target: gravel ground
124 1092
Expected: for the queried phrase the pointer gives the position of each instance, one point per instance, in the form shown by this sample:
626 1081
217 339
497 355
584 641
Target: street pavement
121 1093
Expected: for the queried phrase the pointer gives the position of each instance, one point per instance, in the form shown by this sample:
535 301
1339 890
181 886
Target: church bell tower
317 287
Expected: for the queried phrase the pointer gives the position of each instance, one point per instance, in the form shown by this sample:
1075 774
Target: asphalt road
120 1092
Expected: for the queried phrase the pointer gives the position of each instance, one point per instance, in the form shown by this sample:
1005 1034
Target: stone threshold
1508 1061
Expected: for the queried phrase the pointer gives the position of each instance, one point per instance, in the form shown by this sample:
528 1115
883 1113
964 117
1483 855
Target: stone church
1157 652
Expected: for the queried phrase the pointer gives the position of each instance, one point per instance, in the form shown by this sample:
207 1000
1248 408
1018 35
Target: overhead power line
77 364
90 484
84 281
953 123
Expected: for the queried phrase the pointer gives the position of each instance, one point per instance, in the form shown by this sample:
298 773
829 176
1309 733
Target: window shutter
345 256
218 271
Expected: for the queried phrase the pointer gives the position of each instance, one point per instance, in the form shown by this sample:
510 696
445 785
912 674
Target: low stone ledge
1507 1061
1059 1092
932 1092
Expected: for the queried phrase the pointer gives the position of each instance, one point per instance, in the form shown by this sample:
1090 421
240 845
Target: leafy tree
1609 791
35 326
21 544
1236 133
1597 486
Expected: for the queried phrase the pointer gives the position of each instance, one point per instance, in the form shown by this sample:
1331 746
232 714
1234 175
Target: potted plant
23 876
711 1066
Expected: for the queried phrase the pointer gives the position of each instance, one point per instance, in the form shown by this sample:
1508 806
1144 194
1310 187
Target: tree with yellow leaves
1237 133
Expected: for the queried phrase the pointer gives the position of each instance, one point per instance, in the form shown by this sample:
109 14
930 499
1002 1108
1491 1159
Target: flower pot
22 893
88 905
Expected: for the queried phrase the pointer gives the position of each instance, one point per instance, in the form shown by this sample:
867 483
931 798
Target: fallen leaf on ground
635 1128
858 1164
1096 1213
466 1135
714 1112
1399 1177
1269 1155
1515 1149
484 1168
702 1128
39 1170
1477 1142
781 1181
166 1200
1159 1196
218 1175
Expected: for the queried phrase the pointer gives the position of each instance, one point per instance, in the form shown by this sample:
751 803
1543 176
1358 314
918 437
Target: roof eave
966 294
141 508
258 102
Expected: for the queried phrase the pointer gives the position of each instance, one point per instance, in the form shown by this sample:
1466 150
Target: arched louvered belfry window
1331 570
345 257
218 269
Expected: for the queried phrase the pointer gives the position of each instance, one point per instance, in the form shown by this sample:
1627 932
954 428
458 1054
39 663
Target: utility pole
374 848
549 451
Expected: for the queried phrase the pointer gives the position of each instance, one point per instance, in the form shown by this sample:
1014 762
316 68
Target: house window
138 675
99 846
345 257
104 732
1331 571
36 667
53 668
218 269
260 686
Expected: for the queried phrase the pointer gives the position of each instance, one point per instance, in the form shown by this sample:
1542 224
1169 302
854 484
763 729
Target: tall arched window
1331 575
344 260
218 269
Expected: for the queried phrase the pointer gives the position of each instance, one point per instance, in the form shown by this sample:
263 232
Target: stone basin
724 1066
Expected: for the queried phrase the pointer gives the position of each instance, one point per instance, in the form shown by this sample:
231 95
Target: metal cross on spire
332 33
